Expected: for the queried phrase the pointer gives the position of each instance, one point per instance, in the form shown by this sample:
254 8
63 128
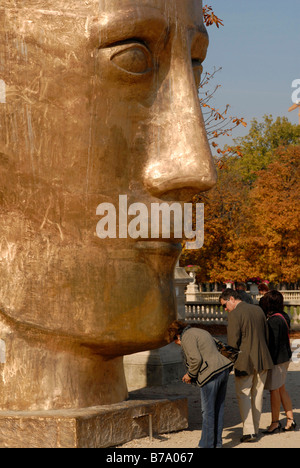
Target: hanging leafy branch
210 18
217 123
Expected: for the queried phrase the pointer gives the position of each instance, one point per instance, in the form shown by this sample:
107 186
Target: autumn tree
258 147
273 238
252 215
241 240
222 225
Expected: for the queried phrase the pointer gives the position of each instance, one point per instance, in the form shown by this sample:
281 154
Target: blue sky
258 49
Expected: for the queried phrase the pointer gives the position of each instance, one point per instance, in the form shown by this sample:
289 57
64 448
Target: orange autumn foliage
253 230
210 18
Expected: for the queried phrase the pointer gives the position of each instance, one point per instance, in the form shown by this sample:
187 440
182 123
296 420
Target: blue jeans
213 396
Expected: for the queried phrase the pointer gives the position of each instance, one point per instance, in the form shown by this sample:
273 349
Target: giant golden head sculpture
101 100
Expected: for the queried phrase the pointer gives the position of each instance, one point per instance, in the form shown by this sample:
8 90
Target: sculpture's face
101 101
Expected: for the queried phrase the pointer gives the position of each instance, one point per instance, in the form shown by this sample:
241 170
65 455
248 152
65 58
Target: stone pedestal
154 368
192 293
97 427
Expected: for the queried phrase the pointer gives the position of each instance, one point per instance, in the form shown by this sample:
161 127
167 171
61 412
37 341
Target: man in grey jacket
248 331
208 369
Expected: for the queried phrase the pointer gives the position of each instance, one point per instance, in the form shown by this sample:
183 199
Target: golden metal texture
100 101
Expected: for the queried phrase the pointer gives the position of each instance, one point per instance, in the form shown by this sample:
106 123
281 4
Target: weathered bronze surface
100 101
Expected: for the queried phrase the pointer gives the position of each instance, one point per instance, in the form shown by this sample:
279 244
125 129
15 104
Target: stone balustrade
207 309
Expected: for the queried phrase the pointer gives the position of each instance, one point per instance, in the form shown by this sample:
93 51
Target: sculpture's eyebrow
144 23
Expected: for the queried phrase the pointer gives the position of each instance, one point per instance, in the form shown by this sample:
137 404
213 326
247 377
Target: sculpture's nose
180 163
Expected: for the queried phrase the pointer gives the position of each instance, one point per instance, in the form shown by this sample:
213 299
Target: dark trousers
213 396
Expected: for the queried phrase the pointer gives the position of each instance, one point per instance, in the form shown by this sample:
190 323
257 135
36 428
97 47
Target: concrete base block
154 368
97 427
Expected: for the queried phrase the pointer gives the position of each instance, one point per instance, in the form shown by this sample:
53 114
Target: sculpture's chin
118 302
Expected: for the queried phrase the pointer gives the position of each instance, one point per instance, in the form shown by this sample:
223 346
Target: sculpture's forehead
90 17
181 9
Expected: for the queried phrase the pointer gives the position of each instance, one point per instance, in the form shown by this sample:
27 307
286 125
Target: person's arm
274 335
233 331
193 357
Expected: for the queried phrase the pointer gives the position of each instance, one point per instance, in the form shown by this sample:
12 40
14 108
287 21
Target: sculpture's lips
159 247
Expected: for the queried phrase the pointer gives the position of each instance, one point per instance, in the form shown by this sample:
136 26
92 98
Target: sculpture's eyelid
130 41
131 56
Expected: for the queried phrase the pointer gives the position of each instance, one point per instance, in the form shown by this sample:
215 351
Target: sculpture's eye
133 58
197 69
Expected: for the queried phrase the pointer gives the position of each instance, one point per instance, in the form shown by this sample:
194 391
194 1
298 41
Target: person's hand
186 379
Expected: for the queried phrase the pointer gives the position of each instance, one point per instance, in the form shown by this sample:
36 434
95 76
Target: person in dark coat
248 331
280 349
